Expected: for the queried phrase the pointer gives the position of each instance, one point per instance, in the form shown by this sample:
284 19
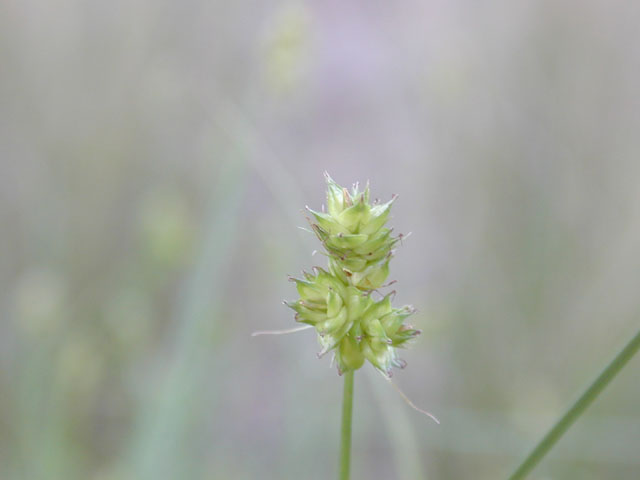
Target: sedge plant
341 302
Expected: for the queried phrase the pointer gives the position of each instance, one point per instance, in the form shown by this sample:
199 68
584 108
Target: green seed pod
334 303
371 277
349 355
338 302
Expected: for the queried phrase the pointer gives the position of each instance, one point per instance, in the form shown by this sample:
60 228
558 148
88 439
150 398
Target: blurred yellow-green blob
287 47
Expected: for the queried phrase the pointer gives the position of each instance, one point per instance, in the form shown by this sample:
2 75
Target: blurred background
155 157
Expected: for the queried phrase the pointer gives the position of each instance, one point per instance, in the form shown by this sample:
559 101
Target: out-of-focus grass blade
159 448
402 438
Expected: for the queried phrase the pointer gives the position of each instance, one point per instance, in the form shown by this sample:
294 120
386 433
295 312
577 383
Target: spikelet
337 302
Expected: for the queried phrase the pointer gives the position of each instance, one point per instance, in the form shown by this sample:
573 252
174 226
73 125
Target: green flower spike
338 302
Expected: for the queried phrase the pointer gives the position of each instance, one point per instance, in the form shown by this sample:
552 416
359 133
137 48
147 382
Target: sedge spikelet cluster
338 301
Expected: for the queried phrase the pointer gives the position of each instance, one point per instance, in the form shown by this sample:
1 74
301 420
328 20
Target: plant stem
345 431
590 394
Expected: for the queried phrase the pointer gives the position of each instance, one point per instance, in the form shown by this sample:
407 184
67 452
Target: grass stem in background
402 436
345 431
577 409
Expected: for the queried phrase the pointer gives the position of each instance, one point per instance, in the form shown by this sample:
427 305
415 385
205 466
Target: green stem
345 431
590 394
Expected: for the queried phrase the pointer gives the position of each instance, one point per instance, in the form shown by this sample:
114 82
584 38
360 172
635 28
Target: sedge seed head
338 301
